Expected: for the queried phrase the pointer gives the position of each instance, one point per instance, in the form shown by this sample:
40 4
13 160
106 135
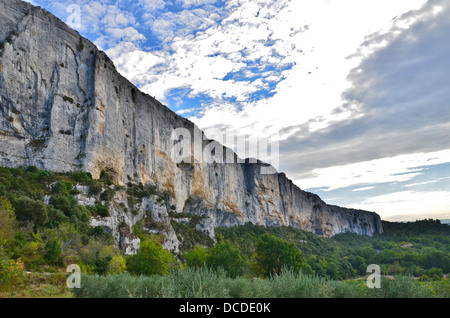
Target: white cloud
312 88
408 205
128 34
190 3
169 25
392 169
152 5
134 63
416 184
363 189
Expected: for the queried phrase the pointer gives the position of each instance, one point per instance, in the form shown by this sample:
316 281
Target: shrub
199 283
65 132
68 99
292 284
11 273
106 177
400 287
62 187
81 176
107 195
95 188
435 273
98 210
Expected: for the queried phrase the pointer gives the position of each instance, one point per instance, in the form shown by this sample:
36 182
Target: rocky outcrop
64 107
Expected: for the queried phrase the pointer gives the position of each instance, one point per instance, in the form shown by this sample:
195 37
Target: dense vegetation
206 283
43 229
38 237
420 249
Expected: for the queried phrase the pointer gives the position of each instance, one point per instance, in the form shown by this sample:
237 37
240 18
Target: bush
106 177
400 287
81 176
124 286
99 209
206 283
107 195
292 284
11 273
95 188
199 283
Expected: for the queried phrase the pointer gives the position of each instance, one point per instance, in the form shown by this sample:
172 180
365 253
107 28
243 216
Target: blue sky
355 91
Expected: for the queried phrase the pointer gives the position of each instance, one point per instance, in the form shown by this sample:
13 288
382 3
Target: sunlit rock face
64 107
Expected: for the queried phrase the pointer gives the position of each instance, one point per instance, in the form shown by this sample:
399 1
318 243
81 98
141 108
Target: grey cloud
402 102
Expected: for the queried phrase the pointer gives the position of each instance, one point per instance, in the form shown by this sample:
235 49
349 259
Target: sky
356 93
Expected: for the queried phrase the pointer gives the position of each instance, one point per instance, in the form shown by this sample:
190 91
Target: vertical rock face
64 107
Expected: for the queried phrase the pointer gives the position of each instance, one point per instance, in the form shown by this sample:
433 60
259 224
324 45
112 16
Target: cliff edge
64 107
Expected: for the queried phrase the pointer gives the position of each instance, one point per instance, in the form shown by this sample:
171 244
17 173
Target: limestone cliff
65 107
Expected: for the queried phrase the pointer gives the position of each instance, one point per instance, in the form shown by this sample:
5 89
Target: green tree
80 216
62 187
63 202
151 259
117 265
196 256
359 264
367 253
272 254
106 177
53 251
55 217
333 271
322 267
226 256
31 210
435 273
